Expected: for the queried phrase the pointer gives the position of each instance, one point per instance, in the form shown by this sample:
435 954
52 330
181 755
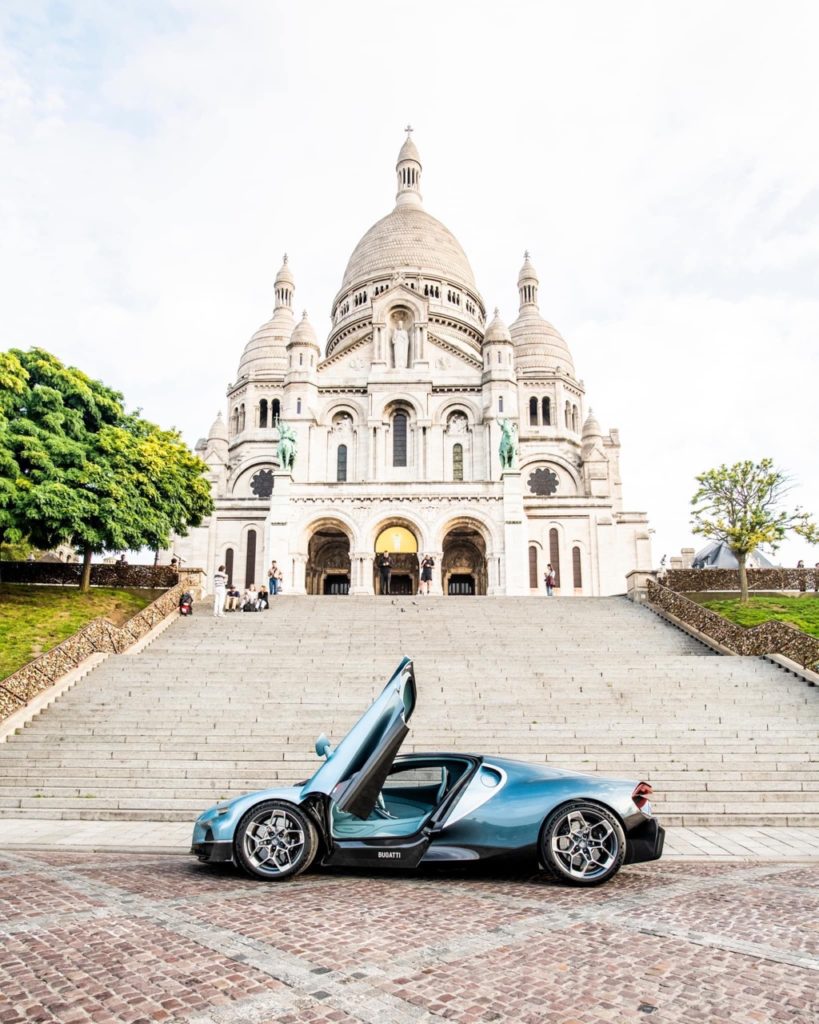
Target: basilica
393 432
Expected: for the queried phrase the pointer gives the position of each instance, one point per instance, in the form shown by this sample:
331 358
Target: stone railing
98 637
767 638
687 581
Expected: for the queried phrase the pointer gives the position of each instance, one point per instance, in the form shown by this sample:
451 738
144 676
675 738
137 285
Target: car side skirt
400 853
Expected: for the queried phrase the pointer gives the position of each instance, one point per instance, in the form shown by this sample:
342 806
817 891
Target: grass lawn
35 619
802 612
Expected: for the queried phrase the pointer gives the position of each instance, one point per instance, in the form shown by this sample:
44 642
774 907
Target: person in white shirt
220 582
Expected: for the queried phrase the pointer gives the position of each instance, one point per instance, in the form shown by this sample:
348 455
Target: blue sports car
367 806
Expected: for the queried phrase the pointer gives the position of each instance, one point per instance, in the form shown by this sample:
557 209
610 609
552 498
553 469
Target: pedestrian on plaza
427 564
234 596
262 599
274 578
220 581
550 578
385 571
801 565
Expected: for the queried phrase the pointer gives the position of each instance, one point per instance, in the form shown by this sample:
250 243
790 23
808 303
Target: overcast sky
660 161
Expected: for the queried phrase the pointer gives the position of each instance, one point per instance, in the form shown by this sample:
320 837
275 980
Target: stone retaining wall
99 636
688 581
766 638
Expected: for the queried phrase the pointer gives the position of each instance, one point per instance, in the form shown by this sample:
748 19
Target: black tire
275 840
583 844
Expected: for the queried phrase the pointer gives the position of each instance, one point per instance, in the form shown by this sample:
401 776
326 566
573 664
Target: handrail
772 637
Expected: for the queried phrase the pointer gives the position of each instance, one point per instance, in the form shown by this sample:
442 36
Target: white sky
660 161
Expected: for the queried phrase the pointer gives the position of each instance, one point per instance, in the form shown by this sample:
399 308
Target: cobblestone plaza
112 938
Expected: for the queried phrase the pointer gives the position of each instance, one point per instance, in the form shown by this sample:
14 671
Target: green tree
13 384
742 506
89 473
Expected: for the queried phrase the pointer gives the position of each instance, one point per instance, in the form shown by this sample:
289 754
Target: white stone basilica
398 425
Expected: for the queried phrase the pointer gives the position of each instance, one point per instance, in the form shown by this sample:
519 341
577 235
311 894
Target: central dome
409 239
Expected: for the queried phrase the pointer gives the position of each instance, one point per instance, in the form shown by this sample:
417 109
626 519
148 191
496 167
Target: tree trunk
743 579
85 579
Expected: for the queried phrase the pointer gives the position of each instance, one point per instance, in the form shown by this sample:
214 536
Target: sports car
368 806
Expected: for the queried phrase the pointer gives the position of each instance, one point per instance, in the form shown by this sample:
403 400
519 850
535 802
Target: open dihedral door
355 771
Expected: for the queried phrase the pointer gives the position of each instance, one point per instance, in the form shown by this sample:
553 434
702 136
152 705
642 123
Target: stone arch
328 557
240 478
464 562
462 405
540 457
405 565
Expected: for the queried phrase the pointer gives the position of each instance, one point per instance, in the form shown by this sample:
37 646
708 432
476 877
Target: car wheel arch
574 800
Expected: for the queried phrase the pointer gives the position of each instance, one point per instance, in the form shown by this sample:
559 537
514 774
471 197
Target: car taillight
641 794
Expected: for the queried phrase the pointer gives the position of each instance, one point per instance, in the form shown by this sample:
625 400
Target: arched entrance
402 546
463 567
328 561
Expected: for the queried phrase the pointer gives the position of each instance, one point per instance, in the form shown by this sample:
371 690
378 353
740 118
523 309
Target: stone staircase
213 708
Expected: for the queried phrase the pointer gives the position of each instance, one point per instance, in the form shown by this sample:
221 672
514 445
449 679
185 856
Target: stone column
298 573
437 586
515 541
276 534
361 573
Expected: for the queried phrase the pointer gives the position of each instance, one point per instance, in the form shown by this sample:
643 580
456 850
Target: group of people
384 563
228 598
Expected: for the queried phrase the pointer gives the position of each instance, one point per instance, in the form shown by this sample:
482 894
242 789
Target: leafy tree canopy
742 505
86 472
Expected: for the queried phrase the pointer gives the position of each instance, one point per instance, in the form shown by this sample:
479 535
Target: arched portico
328 558
400 539
464 563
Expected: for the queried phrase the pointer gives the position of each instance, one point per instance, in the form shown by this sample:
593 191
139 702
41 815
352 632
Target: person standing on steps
274 578
427 564
549 578
385 571
220 582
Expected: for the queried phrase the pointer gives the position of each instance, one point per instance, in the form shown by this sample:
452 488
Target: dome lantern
527 283
408 171
284 287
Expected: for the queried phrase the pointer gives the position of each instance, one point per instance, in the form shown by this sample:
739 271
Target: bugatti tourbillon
368 806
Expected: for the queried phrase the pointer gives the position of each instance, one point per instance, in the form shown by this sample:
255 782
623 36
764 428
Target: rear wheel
275 841
583 844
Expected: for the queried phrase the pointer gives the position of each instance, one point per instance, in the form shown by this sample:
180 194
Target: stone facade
397 423
694 581
68 574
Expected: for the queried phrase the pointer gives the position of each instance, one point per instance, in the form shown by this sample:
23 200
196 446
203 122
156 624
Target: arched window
576 570
229 566
234 421
242 416
532 567
533 411
500 404
567 415
399 439
250 559
263 413
554 554
298 406
341 463
547 413
458 462
275 412
574 418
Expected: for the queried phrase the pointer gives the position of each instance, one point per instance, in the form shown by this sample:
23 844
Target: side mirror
323 747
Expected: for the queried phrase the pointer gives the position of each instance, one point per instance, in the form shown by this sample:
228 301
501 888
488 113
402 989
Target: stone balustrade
767 638
702 580
98 637
67 574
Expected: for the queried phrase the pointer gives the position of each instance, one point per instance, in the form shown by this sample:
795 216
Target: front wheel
275 841
583 844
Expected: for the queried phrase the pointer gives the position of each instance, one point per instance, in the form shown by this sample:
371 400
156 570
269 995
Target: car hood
355 771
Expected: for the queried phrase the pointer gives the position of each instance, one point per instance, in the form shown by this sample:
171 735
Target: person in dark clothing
385 571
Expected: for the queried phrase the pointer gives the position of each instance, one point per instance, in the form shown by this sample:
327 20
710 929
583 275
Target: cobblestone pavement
110 937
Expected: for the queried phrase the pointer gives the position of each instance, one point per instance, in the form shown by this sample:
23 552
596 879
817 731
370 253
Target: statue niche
400 344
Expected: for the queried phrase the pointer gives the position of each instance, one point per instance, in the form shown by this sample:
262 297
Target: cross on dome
409 129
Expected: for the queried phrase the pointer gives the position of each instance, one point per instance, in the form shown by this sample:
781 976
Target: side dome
265 353
409 238
538 345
